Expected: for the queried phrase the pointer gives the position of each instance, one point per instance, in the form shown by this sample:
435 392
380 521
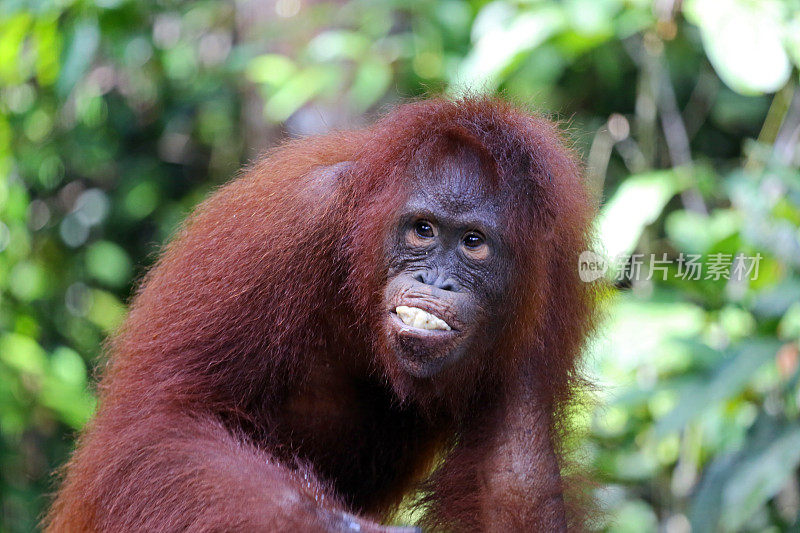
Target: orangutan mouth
419 318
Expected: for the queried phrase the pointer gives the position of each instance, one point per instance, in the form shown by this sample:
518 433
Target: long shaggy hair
274 273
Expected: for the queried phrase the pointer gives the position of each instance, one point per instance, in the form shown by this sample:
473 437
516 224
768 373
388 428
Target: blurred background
118 116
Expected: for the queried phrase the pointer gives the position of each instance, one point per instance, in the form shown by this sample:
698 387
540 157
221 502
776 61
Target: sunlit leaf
106 311
789 326
500 36
108 263
634 516
270 69
48 49
793 38
64 388
332 45
297 91
646 334
68 366
28 281
635 205
12 35
744 41
371 81
695 233
23 354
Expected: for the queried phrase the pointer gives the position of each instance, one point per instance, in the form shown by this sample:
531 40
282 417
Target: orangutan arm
189 474
503 474
521 486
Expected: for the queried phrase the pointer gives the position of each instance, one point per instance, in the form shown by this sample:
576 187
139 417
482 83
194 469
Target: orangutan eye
473 240
424 229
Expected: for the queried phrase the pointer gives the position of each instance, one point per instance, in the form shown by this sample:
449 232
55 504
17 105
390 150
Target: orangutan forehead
454 184
453 166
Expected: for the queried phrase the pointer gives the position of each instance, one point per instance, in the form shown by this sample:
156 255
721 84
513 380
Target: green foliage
118 116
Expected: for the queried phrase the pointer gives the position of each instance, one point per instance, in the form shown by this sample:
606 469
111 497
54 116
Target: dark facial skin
446 257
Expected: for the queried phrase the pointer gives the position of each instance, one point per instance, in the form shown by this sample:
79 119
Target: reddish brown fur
248 390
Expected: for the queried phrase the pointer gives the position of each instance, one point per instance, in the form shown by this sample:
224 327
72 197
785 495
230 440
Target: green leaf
775 301
728 379
500 36
68 366
22 353
793 38
371 81
297 91
637 203
338 44
270 69
743 40
696 233
64 388
633 516
735 485
106 311
759 477
80 54
108 263
13 32
706 505
28 281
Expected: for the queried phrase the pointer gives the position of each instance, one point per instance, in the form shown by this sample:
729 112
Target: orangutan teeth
416 317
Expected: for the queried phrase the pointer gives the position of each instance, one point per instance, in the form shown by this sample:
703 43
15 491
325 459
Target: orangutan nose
438 279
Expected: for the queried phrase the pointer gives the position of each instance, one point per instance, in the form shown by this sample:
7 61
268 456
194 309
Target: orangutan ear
323 181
